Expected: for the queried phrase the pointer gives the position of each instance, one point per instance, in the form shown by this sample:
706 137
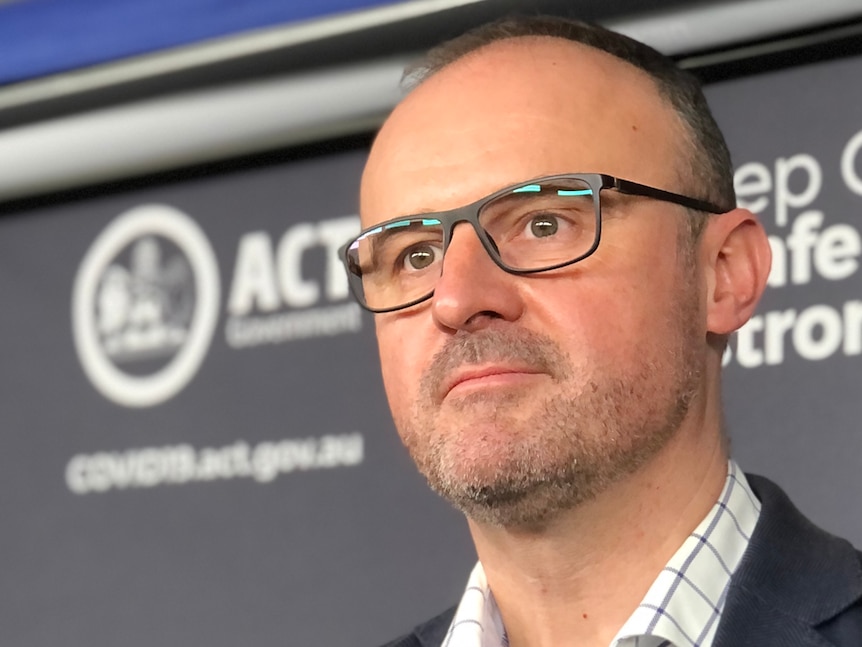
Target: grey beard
581 439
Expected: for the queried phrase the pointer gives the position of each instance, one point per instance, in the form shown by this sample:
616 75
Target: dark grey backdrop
348 554
798 421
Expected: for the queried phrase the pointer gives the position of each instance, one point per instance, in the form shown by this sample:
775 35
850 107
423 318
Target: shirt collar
681 608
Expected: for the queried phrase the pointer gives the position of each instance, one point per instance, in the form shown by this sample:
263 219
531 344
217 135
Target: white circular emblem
145 305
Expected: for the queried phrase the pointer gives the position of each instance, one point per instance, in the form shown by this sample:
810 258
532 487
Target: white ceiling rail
681 30
218 50
180 130
709 25
212 124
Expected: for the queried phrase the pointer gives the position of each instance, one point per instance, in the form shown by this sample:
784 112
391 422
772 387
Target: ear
737 257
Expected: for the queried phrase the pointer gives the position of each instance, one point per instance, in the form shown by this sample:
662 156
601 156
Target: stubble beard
518 459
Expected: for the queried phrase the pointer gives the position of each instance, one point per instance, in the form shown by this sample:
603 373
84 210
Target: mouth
473 378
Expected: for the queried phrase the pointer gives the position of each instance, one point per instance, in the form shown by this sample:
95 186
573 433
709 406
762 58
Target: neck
577 580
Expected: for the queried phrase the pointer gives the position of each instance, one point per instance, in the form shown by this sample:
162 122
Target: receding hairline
708 170
416 74
683 141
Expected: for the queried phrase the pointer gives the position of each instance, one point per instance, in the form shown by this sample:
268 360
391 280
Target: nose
472 289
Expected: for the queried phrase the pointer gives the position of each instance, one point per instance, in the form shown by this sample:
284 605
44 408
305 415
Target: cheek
646 285
401 364
609 316
606 333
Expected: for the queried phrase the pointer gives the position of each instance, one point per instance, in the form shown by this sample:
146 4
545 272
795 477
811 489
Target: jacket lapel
432 633
793 577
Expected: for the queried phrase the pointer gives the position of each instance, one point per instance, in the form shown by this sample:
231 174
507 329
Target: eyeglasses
540 225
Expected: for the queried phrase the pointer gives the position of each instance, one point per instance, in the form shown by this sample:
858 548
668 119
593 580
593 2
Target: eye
420 257
543 225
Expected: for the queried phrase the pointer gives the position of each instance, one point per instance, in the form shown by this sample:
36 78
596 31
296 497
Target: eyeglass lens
530 227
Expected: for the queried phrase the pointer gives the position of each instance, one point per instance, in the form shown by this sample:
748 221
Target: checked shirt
682 607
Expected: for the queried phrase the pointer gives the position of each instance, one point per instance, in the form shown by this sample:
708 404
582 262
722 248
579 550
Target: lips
467 374
500 349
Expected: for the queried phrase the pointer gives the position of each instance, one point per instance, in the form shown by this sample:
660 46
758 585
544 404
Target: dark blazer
797 586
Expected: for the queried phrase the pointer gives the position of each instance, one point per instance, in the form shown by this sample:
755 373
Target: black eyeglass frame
470 213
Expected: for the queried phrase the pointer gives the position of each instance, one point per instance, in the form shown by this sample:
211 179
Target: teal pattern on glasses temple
536 188
402 223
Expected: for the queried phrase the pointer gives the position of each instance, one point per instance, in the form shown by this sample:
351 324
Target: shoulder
782 525
429 634
795 579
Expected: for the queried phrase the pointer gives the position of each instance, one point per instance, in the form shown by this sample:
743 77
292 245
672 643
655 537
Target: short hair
709 162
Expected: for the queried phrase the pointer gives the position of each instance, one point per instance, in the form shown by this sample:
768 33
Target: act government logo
145 305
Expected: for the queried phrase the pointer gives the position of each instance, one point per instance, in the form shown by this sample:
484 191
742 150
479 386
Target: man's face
519 396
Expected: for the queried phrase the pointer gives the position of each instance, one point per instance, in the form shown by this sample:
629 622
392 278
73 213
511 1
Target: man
552 249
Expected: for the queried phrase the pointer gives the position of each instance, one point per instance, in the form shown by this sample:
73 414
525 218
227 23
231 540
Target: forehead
515 110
